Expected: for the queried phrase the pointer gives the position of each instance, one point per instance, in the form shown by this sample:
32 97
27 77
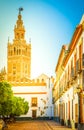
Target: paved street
36 125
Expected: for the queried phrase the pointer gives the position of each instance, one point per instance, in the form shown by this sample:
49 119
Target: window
34 102
80 55
83 60
14 66
71 63
83 79
80 51
37 80
68 73
75 59
14 50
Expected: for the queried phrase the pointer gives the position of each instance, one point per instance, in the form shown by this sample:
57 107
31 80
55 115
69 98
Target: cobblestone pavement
36 125
55 126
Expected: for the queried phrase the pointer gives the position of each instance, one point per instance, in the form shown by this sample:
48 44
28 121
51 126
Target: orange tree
9 104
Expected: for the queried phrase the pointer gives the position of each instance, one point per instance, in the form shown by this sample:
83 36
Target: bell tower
19 54
19 31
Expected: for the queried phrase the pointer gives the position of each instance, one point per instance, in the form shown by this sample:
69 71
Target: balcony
68 84
34 105
73 74
65 86
78 66
83 60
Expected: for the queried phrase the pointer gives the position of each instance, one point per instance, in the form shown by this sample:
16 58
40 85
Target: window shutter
83 79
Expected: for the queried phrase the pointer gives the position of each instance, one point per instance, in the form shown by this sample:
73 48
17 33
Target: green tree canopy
19 106
5 92
9 104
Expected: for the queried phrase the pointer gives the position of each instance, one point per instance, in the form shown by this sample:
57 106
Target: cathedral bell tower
19 55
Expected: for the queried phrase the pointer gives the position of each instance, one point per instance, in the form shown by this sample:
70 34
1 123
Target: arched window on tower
18 35
17 51
37 80
9 52
42 80
14 50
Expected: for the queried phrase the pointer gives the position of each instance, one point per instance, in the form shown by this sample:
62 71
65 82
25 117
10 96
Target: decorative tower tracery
19 54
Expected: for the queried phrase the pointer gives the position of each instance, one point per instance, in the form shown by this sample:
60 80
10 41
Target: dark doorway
34 113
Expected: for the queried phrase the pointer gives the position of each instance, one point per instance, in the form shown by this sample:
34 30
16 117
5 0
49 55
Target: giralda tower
19 54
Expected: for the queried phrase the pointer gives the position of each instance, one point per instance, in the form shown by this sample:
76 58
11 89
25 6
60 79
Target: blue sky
49 24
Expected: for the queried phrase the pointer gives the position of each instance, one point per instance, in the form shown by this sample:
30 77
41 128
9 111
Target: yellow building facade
68 90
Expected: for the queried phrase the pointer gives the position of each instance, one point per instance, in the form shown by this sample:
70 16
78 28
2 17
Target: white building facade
39 98
68 91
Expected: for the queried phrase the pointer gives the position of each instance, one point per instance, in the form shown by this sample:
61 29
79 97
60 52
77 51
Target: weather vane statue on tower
20 9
